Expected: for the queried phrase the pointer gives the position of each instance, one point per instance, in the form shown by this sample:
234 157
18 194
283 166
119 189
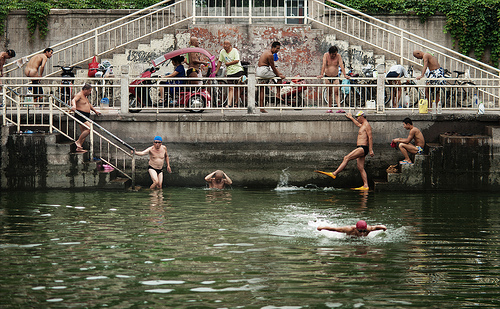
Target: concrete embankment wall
258 151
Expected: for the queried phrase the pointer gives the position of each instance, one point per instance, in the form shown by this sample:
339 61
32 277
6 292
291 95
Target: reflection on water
193 247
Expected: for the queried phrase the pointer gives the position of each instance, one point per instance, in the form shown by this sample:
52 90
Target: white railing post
51 114
401 47
250 11
380 92
133 169
4 107
124 84
96 43
193 7
91 152
251 89
306 6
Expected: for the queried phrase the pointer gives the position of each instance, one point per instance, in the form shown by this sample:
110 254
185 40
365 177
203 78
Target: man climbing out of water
35 68
405 143
157 155
81 104
360 229
218 180
364 147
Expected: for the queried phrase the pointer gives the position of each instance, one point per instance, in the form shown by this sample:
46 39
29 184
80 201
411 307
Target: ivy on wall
474 25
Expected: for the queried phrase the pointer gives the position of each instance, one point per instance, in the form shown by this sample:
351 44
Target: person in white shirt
396 71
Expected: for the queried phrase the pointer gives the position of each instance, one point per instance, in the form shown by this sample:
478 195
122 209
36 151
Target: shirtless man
266 69
9 53
36 63
405 143
157 155
218 180
360 229
194 63
81 104
364 146
330 68
435 71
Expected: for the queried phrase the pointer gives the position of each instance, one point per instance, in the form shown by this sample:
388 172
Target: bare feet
263 111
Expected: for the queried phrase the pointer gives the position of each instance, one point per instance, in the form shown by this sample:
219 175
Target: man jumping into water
157 155
364 147
360 229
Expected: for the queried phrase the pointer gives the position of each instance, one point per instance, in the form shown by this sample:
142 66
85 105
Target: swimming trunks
365 148
332 79
83 120
191 70
437 73
158 171
265 72
37 89
420 150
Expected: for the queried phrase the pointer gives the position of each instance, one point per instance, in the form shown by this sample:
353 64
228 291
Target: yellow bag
423 106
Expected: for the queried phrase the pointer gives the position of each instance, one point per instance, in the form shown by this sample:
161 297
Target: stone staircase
40 160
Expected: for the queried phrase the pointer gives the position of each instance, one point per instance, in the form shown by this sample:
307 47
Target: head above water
361 225
218 174
360 114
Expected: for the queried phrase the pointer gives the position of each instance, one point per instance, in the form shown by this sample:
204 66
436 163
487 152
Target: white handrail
78 49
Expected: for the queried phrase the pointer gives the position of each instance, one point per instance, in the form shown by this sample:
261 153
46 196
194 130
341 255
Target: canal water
243 248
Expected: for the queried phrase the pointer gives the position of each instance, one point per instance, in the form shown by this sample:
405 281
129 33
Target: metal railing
112 36
394 41
50 114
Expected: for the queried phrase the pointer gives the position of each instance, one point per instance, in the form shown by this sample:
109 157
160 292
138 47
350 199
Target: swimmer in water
360 229
218 180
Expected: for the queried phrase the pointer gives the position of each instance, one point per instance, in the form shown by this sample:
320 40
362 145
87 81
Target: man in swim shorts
330 68
360 229
194 63
81 104
218 180
266 69
363 148
157 155
435 71
405 143
35 68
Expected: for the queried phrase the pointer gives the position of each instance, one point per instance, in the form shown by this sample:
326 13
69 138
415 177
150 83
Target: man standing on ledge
81 104
9 53
35 64
267 70
405 143
360 229
435 71
364 146
157 155
332 61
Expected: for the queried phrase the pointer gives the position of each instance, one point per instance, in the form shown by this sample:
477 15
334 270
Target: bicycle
349 95
463 92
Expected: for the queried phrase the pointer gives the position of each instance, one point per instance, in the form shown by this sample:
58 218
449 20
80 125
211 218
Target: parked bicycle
461 95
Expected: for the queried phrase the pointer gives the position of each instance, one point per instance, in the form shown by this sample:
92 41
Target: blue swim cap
158 138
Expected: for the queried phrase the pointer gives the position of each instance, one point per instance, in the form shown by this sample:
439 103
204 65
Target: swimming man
360 229
157 155
405 143
218 180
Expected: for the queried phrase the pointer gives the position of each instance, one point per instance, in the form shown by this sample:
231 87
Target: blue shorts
420 150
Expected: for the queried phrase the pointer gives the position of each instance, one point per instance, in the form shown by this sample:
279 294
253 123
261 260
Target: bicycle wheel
342 95
465 94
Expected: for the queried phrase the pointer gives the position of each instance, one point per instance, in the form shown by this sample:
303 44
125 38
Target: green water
197 248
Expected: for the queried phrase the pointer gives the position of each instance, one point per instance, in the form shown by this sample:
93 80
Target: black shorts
36 89
83 120
237 74
191 70
158 171
366 149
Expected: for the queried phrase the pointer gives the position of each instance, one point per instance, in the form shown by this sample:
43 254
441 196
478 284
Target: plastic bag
93 67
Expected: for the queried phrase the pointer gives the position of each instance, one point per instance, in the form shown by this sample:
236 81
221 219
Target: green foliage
38 12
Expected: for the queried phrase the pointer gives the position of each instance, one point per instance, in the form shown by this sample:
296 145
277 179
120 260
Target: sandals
405 162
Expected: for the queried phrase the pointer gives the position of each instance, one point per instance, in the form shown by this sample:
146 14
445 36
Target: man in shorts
230 57
330 68
266 69
405 143
194 63
363 148
35 68
435 71
157 155
81 104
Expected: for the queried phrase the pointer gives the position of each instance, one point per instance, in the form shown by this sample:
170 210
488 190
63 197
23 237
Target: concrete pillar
124 83
380 91
252 80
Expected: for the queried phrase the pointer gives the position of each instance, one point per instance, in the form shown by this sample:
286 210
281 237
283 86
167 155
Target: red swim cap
361 225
